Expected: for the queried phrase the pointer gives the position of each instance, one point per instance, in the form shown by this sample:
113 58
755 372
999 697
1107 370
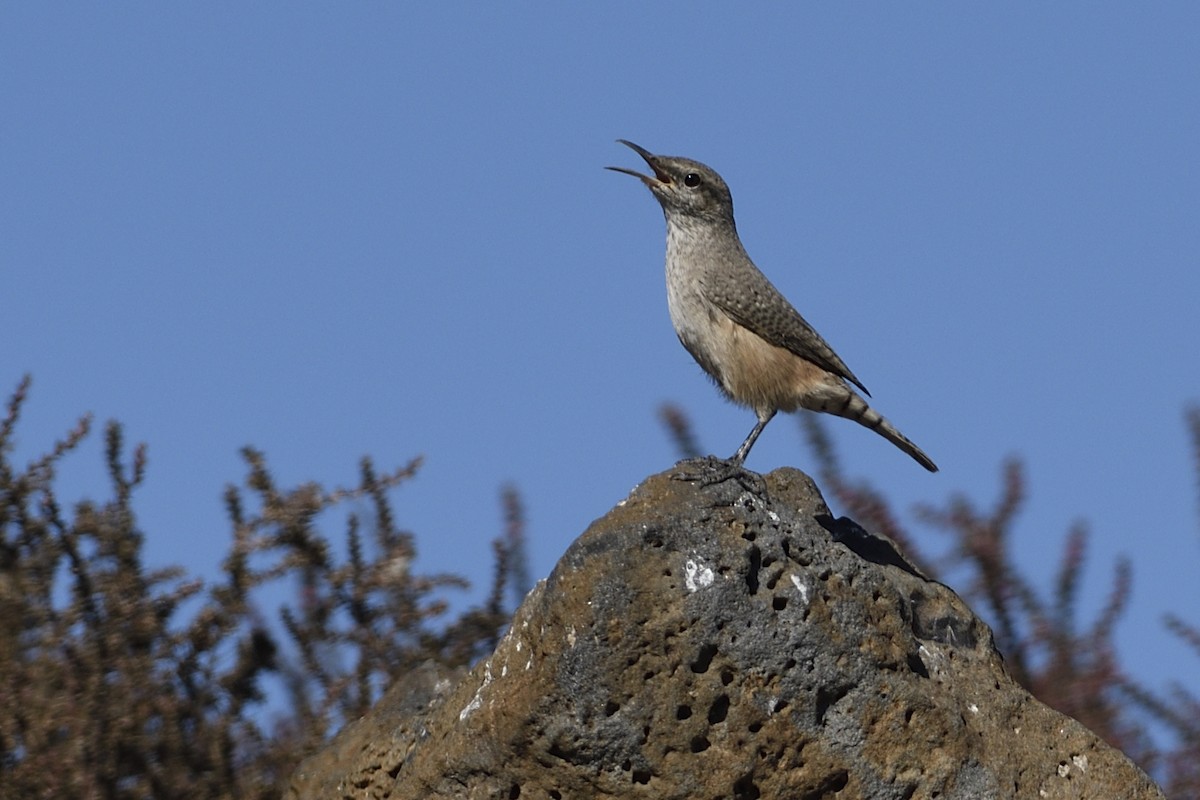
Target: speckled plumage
753 343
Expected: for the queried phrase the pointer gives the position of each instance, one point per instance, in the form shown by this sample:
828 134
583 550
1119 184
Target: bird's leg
712 470
744 450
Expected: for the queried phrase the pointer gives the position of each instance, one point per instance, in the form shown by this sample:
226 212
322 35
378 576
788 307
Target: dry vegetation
108 690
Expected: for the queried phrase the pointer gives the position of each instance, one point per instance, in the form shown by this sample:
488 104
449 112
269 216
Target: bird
738 327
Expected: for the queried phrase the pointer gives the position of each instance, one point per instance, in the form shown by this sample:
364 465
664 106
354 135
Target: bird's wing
758 306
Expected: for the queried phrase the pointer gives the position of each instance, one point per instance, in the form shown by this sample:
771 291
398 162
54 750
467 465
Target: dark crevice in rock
871 547
917 665
755 556
827 698
719 710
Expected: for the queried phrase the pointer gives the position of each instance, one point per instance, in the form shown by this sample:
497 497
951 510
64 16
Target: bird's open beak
659 176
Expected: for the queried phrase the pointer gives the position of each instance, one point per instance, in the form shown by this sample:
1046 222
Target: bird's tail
857 409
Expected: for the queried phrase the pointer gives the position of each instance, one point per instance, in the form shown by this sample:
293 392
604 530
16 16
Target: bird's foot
710 470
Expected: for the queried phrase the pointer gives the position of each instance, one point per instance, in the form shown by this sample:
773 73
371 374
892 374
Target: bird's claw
710 470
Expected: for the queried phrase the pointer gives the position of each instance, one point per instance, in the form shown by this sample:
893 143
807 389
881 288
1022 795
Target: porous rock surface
726 641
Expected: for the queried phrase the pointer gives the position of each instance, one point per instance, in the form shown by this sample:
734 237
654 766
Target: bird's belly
749 369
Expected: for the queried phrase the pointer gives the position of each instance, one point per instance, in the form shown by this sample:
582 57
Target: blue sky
344 229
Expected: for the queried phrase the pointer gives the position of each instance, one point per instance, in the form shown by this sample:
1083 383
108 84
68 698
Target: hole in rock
704 658
719 710
745 789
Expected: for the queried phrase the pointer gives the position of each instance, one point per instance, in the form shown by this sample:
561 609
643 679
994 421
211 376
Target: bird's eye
691 179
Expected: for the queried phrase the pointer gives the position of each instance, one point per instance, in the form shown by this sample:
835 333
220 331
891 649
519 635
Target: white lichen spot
696 576
570 636
529 663
800 587
974 709
518 645
1081 762
771 515
477 700
1064 770
934 660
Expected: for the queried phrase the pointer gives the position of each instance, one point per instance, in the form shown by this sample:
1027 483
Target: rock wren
756 347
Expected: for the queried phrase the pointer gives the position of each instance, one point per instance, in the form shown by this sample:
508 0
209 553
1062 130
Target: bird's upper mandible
683 186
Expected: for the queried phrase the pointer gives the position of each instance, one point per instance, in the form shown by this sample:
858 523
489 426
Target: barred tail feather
855 408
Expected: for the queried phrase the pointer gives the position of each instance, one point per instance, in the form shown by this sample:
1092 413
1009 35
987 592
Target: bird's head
683 186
